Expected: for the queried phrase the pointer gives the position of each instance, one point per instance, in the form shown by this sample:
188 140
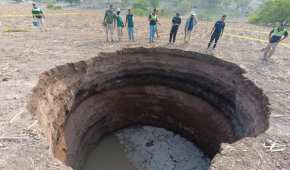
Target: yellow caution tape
254 39
48 14
247 30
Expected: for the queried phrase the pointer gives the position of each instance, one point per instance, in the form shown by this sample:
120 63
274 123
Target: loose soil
78 35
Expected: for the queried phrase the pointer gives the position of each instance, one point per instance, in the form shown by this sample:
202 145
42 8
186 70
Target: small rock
268 142
149 143
5 79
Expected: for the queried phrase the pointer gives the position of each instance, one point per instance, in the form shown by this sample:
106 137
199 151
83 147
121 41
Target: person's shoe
208 45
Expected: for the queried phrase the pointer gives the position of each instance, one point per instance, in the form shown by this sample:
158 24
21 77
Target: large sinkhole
204 99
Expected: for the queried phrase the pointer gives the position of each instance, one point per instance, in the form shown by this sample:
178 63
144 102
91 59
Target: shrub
271 11
54 7
141 4
139 12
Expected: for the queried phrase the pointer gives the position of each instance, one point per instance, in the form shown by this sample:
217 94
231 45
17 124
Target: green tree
141 4
125 3
154 3
272 11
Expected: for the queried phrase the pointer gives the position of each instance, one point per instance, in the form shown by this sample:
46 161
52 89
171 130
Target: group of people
114 20
277 35
191 23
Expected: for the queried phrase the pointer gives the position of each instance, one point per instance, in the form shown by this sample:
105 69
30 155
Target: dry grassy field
75 35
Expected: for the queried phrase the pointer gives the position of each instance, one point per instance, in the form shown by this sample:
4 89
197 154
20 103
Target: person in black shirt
176 21
217 31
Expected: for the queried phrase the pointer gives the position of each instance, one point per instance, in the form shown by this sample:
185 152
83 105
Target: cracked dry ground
79 36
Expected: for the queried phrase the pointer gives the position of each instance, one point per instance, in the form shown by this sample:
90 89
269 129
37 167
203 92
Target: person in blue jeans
130 23
153 21
217 31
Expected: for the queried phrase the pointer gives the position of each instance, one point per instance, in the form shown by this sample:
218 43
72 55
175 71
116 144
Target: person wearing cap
109 23
276 35
38 17
191 22
130 25
217 31
120 24
176 21
153 21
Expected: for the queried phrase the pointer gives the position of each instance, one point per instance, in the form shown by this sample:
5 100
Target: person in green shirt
153 21
120 24
109 23
38 17
130 23
277 35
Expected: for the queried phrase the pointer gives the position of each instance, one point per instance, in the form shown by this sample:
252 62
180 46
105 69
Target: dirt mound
205 99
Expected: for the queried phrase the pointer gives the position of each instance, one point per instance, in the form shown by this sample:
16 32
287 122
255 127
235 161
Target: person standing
176 21
153 20
109 23
130 25
38 17
120 25
276 35
191 22
157 30
217 31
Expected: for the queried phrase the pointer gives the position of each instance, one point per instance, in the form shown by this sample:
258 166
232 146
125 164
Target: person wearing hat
191 22
217 31
120 24
38 17
109 22
276 35
176 21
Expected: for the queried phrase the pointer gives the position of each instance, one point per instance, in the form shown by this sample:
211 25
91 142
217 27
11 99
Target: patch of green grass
54 7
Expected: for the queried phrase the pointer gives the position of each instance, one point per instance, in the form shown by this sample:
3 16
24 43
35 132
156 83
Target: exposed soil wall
203 98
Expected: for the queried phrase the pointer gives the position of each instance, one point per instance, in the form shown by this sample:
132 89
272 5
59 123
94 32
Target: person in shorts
120 24
109 23
38 17
276 35
191 22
